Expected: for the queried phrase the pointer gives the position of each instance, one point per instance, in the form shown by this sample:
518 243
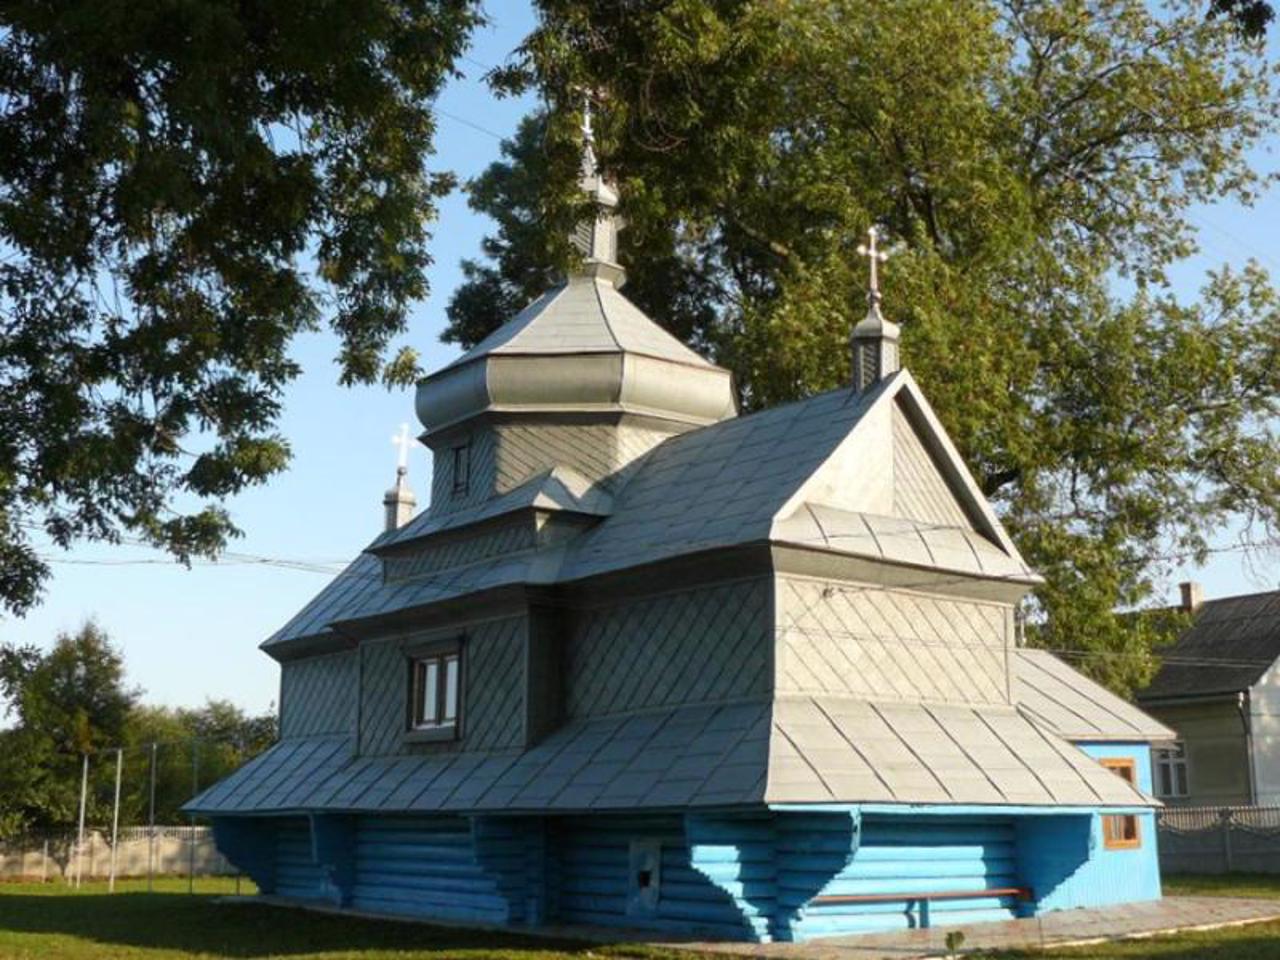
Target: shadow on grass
200 925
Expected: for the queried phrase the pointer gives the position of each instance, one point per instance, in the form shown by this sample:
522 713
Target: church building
647 663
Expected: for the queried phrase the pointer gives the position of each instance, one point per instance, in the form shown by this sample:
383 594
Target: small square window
435 690
1121 831
461 469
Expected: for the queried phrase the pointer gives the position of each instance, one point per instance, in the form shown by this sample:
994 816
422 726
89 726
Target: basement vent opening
645 884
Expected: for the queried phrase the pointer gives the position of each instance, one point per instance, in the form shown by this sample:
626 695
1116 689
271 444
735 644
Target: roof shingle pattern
1232 641
802 750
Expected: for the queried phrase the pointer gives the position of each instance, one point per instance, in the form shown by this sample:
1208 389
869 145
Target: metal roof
797 750
1230 644
585 314
722 485
1073 706
560 489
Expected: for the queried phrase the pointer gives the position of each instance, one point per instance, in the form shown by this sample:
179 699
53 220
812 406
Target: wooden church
646 663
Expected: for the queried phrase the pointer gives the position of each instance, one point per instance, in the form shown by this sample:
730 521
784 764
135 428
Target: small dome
580 348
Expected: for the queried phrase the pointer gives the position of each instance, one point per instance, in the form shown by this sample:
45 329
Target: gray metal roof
719 485
344 592
586 314
1073 706
799 750
1230 644
834 749
897 539
560 489
730 483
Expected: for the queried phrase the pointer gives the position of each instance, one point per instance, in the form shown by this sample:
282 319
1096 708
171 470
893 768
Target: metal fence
162 851
1219 839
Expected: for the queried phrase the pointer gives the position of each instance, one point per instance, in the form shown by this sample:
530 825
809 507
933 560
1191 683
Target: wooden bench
924 899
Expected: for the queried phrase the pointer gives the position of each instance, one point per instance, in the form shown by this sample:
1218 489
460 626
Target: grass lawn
55 922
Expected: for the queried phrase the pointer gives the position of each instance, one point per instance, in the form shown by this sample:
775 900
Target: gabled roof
761 478
765 477
1230 644
793 751
1073 706
585 314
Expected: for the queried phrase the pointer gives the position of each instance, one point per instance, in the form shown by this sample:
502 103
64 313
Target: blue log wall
594 880
894 855
746 876
297 873
424 866
1064 858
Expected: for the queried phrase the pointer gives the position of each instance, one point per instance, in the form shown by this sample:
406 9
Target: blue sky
192 634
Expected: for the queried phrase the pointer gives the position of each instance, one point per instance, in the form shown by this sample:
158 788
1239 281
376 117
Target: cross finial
875 257
401 440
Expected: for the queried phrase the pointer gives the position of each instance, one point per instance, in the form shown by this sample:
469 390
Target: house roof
1073 706
586 314
1230 644
794 751
559 489
743 480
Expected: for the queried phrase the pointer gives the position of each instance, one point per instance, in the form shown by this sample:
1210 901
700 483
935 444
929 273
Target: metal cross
876 257
402 441
587 133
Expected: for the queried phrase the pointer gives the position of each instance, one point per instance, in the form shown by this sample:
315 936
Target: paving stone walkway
1060 929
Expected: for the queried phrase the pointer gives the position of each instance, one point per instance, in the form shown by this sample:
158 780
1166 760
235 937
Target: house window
435 690
461 469
1172 780
1120 832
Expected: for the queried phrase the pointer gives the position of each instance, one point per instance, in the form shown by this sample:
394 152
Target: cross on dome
402 441
597 238
875 256
875 339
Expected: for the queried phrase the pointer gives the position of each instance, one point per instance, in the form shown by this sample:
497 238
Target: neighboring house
646 663
1219 688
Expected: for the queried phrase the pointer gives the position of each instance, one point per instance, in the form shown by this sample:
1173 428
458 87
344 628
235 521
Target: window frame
461 469
419 659
1164 760
1122 831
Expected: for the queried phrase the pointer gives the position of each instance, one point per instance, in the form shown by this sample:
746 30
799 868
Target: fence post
44 862
151 823
84 790
1224 824
115 820
195 788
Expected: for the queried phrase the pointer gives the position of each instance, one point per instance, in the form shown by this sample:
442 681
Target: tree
68 702
168 173
1029 154
194 747
531 247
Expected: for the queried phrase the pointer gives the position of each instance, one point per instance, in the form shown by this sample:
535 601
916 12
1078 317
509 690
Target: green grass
1260 941
55 922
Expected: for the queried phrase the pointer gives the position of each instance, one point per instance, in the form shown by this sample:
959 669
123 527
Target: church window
461 469
1172 780
1120 831
435 690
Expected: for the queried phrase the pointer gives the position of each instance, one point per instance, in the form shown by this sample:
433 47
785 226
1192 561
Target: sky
192 634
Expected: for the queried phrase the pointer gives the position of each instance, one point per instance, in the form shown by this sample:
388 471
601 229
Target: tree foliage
1039 161
170 172
67 702
74 700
